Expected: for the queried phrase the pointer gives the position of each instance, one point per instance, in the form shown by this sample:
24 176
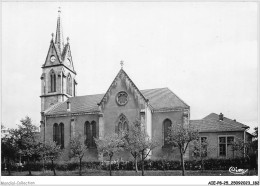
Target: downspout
61 87
244 142
44 128
246 128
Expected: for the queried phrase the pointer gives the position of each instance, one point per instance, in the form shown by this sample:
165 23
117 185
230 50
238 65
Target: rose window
122 98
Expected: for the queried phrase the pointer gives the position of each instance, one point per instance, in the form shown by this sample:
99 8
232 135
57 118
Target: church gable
122 90
53 56
66 57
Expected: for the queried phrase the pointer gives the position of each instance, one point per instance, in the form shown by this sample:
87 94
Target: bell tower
58 79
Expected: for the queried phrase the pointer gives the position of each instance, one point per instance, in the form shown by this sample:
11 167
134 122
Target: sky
206 53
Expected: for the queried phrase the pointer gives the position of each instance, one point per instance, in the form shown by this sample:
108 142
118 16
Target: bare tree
180 136
138 143
78 149
109 146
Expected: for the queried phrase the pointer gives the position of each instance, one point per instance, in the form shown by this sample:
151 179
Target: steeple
59 35
58 77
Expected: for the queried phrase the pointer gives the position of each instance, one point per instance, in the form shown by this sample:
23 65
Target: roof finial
68 39
122 64
59 11
52 36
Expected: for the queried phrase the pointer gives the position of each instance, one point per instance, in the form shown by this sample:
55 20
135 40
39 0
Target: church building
64 114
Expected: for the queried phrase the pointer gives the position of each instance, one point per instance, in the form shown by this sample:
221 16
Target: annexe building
223 136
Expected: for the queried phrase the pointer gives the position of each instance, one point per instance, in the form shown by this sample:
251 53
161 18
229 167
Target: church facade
64 114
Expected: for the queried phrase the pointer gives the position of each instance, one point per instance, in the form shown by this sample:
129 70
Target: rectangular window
222 146
224 142
230 140
222 149
222 139
68 106
203 139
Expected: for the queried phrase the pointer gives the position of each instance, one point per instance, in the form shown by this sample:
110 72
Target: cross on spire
122 64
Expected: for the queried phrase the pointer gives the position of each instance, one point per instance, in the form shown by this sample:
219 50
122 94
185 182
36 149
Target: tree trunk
142 164
80 166
8 167
136 166
43 166
182 164
29 166
110 171
142 167
202 165
53 169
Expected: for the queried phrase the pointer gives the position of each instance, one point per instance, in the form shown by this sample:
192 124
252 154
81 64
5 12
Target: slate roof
211 123
64 52
79 104
163 99
160 99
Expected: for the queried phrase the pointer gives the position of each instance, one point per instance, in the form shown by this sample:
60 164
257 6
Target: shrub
209 164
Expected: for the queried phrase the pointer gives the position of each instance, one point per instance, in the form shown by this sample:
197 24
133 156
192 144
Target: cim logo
234 170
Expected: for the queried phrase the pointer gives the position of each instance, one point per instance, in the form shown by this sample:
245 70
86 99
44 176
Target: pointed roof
122 73
65 51
67 54
59 34
61 49
56 51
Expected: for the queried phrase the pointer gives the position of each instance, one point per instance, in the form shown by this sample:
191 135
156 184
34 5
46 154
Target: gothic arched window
52 81
69 85
61 127
56 133
90 133
122 124
166 125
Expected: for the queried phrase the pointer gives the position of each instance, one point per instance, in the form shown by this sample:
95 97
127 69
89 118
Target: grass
94 172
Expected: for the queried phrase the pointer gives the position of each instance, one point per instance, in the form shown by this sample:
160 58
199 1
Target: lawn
89 172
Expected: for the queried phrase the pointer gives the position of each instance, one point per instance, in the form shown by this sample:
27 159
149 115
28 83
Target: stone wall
157 132
61 84
79 122
112 110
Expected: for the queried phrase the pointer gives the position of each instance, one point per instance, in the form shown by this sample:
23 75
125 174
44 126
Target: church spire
59 35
